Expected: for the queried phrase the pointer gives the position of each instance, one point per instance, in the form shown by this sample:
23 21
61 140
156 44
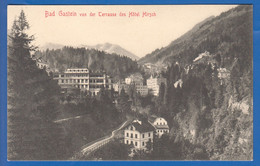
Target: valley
190 100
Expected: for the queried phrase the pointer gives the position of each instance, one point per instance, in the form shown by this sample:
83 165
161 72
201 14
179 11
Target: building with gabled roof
138 133
160 125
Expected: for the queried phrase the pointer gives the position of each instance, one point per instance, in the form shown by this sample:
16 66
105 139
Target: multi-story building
85 80
41 64
134 78
138 133
119 86
160 125
154 84
141 88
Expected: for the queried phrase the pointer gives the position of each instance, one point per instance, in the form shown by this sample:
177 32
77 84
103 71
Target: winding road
102 142
66 119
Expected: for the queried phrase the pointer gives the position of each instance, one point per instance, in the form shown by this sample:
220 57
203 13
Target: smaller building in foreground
138 133
160 125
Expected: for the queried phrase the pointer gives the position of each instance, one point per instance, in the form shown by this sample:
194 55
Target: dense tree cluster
113 151
210 114
32 101
206 110
35 103
68 57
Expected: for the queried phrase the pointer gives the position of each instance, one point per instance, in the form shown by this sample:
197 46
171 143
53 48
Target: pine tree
32 102
123 102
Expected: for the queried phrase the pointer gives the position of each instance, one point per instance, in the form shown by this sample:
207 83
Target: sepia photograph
130 82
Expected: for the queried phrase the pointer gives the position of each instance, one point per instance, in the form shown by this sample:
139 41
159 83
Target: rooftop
145 126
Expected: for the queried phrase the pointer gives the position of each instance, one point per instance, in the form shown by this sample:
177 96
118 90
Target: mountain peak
113 48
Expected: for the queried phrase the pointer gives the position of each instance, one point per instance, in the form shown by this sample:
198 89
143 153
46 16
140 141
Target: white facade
119 86
128 80
138 137
154 84
85 80
141 88
41 65
160 125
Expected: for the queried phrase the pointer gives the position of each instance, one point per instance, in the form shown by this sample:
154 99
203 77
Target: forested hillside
221 35
208 99
35 104
32 102
67 57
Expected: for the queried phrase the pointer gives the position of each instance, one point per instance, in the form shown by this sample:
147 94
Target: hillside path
103 141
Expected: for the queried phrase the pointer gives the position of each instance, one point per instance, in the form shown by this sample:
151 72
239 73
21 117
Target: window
131 142
127 135
135 143
143 143
131 128
143 135
149 134
126 141
131 135
135 135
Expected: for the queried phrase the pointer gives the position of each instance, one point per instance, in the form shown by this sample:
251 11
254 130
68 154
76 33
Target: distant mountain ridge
106 47
50 46
160 53
113 48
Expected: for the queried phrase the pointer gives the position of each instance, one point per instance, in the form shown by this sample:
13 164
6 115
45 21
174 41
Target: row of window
91 86
98 86
136 135
162 131
74 81
161 123
81 75
74 75
96 75
77 70
135 143
96 81
82 81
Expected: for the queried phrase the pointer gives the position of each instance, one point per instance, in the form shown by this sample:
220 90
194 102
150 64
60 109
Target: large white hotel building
85 80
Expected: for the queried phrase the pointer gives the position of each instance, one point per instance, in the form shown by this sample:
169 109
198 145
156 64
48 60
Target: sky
137 34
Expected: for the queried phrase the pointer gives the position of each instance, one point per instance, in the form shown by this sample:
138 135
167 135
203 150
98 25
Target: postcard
130 82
